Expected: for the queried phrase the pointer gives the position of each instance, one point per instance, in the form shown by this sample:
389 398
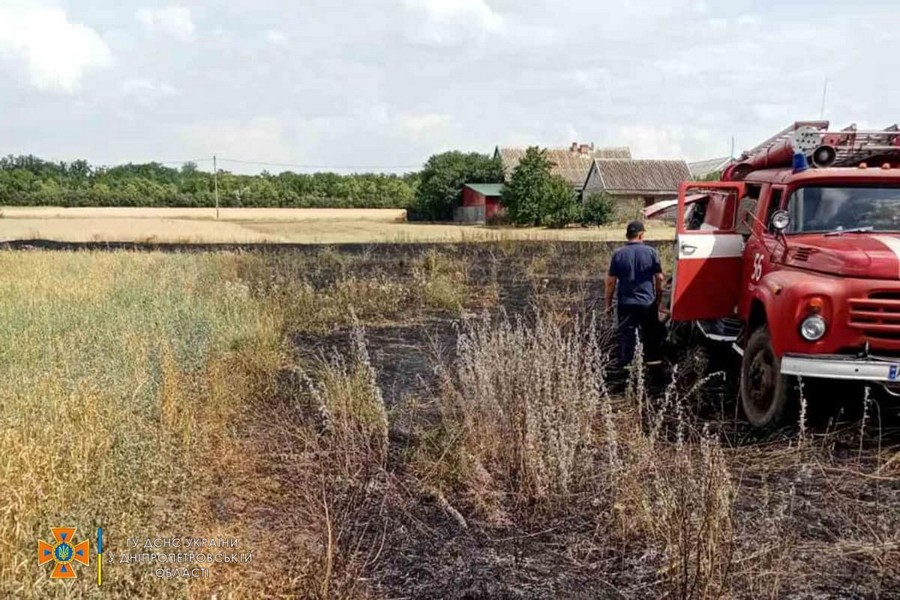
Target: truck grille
878 316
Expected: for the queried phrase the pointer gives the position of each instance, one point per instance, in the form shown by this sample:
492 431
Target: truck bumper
840 367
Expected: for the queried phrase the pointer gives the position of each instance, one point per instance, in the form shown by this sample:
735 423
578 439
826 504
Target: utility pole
216 184
732 148
824 96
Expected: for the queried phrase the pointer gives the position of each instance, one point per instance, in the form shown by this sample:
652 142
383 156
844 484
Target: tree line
532 196
30 181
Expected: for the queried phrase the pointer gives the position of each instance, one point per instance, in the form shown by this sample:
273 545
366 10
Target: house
635 184
571 163
480 201
704 168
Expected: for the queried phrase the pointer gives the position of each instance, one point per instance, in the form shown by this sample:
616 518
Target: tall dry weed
674 488
525 400
530 425
332 453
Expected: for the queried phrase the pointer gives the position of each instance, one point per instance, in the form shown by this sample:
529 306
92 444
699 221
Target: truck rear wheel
764 390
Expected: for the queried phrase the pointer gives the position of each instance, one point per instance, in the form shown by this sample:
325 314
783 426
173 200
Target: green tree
597 209
441 181
30 181
535 196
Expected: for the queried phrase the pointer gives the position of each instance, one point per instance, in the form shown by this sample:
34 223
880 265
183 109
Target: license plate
893 372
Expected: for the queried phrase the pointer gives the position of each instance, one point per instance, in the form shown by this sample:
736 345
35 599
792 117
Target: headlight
812 328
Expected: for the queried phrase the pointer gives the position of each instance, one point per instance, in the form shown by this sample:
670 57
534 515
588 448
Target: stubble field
410 421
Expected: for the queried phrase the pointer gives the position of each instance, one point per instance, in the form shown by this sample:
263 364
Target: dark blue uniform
635 267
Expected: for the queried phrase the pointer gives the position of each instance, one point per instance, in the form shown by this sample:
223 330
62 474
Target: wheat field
248 225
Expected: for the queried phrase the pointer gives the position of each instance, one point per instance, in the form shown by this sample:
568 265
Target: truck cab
798 270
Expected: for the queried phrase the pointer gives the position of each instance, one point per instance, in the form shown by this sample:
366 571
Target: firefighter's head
635 231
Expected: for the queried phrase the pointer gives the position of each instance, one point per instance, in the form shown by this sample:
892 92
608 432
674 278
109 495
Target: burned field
502 467
434 421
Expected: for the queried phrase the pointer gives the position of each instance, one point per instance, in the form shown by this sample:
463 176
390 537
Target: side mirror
781 219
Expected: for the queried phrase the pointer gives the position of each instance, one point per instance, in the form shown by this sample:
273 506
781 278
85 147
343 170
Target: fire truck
792 259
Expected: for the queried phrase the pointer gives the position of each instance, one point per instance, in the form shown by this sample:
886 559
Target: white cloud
483 72
174 21
260 139
446 10
147 91
449 22
276 38
648 141
55 52
417 125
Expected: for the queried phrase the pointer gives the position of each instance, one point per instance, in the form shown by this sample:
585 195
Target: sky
383 84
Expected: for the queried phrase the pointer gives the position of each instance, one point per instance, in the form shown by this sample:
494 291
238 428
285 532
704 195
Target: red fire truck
793 260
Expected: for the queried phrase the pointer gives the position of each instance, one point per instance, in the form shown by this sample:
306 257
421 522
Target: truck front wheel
764 390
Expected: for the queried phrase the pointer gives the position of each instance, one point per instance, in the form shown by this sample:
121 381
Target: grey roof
613 152
487 189
702 168
572 165
641 176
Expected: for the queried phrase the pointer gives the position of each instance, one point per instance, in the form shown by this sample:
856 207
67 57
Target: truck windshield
816 209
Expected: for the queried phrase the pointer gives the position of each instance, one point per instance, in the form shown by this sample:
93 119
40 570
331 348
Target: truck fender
764 295
782 294
769 292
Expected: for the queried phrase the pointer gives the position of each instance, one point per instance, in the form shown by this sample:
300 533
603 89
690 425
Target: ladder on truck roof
851 146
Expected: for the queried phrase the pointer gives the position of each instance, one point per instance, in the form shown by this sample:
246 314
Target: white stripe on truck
708 245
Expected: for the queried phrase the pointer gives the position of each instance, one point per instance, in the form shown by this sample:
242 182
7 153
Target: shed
571 163
480 201
635 184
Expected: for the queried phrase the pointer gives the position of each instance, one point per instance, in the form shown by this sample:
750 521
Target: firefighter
636 279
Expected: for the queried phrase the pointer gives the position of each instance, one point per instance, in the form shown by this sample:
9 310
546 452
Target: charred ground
811 511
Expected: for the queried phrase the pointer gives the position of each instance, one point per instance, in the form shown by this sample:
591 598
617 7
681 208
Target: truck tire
764 390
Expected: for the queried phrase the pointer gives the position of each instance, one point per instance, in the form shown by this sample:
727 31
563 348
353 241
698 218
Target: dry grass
529 437
389 215
321 292
121 377
530 434
328 446
298 226
149 394
524 400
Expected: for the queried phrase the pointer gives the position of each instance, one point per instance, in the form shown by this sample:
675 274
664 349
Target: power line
298 166
181 162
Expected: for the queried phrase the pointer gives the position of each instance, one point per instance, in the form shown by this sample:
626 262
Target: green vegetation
534 196
30 181
597 209
442 180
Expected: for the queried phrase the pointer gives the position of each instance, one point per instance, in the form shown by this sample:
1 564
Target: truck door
761 248
707 278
